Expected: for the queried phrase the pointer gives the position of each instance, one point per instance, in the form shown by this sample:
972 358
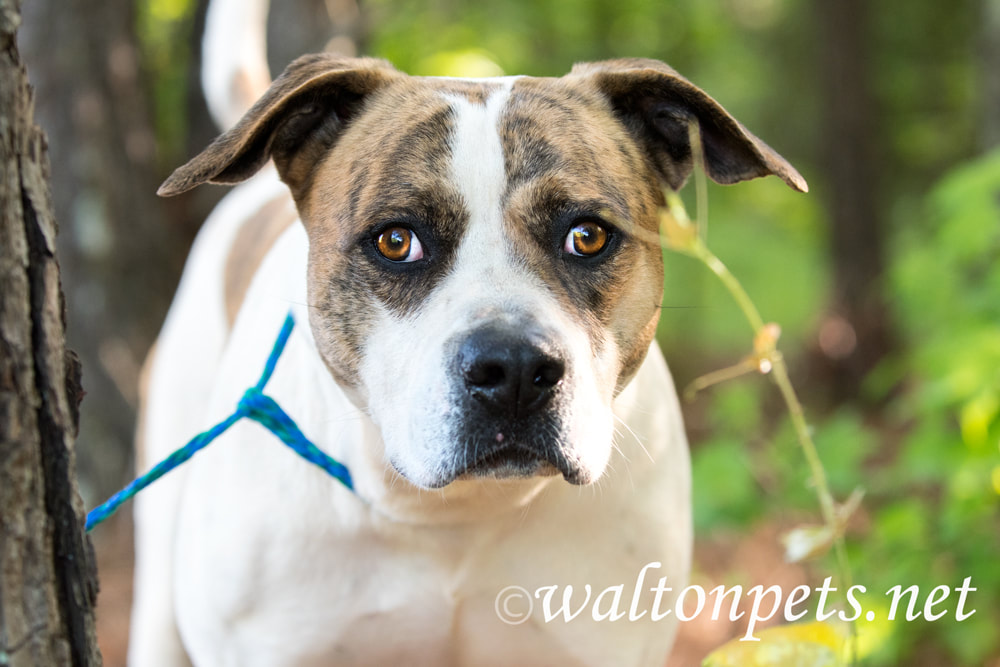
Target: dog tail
234 71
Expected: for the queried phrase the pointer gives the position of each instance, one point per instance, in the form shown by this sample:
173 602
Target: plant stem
779 371
715 265
680 238
721 375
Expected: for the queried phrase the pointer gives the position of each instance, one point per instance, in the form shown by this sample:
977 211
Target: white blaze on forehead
421 411
486 274
477 166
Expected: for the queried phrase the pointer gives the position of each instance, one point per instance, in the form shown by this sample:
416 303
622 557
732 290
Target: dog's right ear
656 104
296 121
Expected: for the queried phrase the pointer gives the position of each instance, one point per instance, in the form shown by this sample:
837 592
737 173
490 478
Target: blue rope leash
255 405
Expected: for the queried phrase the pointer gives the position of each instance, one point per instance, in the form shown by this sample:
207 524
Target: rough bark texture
47 580
119 256
122 248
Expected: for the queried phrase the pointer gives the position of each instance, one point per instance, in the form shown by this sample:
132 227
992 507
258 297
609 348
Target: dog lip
577 476
506 470
511 462
507 455
519 460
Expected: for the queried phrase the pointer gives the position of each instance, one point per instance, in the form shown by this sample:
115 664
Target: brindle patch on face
362 146
569 159
390 168
566 158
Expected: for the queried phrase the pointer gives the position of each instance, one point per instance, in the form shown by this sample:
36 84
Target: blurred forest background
885 278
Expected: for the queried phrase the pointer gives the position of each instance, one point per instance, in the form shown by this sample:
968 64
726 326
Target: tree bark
48 583
858 332
119 255
311 26
123 248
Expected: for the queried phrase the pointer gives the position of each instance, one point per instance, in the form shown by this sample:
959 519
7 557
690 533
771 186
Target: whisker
638 440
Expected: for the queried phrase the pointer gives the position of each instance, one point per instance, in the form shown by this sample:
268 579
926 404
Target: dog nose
507 372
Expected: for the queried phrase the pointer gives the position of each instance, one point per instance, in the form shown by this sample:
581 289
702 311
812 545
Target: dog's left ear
656 104
300 116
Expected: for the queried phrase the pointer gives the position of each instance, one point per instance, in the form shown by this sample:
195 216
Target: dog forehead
397 153
490 174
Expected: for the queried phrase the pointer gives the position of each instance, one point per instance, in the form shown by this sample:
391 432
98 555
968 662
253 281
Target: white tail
234 71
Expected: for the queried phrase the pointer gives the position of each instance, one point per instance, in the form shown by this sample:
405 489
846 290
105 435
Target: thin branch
680 235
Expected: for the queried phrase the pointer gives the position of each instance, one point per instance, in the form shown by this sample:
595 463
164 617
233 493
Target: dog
474 271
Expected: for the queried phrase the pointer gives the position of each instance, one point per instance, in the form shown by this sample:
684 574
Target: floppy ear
656 104
299 117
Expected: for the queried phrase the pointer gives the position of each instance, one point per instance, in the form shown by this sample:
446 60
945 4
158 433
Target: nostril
548 374
485 375
507 372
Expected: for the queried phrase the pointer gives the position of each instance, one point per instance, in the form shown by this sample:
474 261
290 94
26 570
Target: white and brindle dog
474 269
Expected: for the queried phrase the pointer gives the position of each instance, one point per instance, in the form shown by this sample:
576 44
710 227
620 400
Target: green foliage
727 495
164 29
948 279
930 461
945 477
786 275
932 465
794 645
927 87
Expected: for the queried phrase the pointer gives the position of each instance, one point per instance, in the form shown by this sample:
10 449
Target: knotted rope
255 405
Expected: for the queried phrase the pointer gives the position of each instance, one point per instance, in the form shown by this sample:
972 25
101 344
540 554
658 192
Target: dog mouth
508 462
518 461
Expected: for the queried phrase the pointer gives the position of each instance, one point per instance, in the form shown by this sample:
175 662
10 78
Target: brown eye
399 244
586 239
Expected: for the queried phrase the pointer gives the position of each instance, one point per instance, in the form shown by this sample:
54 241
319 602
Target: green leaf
798 645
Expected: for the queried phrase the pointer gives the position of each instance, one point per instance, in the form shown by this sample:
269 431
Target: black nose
507 372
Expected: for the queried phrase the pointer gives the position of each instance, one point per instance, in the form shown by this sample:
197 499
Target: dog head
483 264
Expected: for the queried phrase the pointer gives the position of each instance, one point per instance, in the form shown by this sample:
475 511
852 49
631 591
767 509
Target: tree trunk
857 334
311 26
122 248
118 254
48 583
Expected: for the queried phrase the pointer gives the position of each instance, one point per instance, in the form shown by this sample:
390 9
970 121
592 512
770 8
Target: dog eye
586 239
399 244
